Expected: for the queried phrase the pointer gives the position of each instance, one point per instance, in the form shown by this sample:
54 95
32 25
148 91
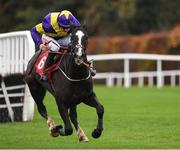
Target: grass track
134 118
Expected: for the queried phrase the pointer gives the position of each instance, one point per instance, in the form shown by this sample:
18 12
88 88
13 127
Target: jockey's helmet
65 18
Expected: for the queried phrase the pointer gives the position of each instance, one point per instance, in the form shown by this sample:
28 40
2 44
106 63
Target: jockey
54 28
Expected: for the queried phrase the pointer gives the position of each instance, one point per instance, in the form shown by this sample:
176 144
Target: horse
71 84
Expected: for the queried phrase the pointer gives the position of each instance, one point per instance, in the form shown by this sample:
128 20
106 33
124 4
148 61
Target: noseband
79 46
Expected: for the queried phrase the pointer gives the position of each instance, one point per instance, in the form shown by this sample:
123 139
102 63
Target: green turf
134 118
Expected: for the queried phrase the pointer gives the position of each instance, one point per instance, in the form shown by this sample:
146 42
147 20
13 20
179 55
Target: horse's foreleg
93 102
80 133
67 130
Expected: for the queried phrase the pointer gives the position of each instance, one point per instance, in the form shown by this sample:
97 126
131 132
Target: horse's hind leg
93 102
38 93
80 133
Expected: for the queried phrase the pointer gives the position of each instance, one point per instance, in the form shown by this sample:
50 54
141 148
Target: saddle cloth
39 65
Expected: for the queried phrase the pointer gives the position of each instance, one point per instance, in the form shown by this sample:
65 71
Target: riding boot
47 64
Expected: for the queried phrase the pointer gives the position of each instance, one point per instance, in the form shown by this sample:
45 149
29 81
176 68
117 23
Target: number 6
41 63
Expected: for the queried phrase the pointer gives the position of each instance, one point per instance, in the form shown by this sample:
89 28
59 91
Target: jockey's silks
51 27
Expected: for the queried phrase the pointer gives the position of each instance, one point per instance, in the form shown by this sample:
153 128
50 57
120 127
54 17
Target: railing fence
127 76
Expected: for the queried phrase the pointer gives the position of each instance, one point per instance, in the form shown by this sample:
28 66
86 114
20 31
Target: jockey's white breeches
54 45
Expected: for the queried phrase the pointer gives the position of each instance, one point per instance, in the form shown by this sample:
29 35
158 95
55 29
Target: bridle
65 51
79 46
77 50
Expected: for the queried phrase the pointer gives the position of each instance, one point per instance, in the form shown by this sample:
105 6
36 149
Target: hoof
61 130
83 139
54 131
54 134
96 133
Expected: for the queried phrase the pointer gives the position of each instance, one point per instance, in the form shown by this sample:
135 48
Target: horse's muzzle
78 60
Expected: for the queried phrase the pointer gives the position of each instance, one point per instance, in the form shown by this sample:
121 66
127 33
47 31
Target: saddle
39 65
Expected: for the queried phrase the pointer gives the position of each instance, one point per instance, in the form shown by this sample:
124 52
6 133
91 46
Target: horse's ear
72 26
84 25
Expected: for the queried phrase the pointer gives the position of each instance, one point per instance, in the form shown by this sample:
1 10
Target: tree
103 17
159 15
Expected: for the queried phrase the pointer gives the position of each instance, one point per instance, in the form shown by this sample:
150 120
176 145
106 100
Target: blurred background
114 25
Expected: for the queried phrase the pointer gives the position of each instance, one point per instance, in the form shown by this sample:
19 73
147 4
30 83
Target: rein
86 64
60 53
86 78
65 52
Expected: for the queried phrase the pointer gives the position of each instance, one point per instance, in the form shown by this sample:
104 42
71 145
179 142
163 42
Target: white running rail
127 76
